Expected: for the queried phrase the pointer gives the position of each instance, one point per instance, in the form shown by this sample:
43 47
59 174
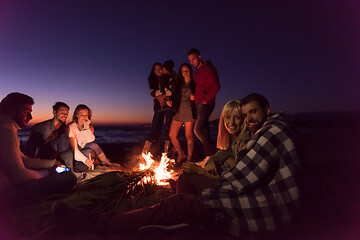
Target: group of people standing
183 99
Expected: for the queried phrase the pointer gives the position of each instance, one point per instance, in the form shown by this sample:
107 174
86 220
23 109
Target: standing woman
81 136
160 83
185 111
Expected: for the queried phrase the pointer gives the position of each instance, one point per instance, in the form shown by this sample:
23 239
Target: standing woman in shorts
185 112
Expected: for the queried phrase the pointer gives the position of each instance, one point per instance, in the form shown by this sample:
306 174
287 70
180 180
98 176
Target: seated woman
232 137
81 137
185 112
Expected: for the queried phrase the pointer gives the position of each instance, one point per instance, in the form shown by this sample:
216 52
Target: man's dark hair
260 99
15 100
59 105
169 65
194 50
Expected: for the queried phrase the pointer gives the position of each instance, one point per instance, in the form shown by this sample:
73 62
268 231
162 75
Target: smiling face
195 60
233 121
61 114
23 116
185 71
82 116
158 70
254 115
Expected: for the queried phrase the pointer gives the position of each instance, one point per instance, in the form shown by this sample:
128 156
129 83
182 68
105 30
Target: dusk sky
304 56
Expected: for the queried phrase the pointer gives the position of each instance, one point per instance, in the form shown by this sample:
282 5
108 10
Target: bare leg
189 127
174 131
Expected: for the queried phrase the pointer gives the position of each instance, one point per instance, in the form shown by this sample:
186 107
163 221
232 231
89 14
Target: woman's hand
192 98
161 100
190 167
211 168
90 163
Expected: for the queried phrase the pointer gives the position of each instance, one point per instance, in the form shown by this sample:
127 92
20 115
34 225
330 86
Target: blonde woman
232 137
81 136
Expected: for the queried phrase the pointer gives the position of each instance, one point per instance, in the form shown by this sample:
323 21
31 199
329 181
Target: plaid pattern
261 192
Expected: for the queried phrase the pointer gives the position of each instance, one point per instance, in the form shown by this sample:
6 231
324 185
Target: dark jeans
201 128
157 124
57 148
177 208
52 184
89 148
194 183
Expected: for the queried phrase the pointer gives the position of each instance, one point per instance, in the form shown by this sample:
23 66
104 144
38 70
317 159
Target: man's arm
35 163
11 158
33 143
255 167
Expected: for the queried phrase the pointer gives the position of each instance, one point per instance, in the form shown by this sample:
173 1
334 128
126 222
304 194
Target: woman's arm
78 155
190 167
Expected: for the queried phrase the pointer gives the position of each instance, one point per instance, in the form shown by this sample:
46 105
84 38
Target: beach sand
331 185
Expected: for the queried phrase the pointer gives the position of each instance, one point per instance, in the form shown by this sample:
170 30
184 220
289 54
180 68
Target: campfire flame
161 172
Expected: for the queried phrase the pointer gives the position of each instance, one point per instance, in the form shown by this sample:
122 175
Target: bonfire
159 173
114 191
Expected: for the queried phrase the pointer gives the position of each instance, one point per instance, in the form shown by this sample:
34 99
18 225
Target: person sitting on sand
27 177
259 194
185 112
81 136
160 83
49 139
232 137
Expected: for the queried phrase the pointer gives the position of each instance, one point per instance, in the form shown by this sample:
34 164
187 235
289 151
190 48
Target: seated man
49 139
259 194
28 177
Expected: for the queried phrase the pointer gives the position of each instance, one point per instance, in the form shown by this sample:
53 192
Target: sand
331 185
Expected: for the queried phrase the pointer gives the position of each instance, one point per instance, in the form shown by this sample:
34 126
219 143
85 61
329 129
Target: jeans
52 184
88 149
201 128
157 124
194 183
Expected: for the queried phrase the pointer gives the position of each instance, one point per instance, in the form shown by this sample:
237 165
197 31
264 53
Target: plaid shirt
261 192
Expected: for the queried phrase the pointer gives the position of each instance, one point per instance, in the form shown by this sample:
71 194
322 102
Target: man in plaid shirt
261 192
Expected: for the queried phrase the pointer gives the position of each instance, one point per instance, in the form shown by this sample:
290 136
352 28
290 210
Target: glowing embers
158 172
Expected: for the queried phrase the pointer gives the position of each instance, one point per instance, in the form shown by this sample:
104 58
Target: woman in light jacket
81 136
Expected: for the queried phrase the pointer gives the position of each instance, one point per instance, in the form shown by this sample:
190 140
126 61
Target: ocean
121 133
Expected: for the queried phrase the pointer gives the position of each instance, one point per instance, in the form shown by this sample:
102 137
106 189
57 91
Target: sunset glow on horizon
303 56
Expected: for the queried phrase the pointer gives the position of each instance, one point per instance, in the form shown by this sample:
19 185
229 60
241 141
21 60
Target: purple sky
304 56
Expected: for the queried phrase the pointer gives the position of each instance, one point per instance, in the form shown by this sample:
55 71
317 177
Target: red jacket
207 83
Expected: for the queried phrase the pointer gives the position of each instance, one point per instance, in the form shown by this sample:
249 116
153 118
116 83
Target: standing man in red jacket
207 85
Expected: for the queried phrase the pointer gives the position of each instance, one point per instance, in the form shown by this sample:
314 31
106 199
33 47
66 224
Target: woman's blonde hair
224 137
